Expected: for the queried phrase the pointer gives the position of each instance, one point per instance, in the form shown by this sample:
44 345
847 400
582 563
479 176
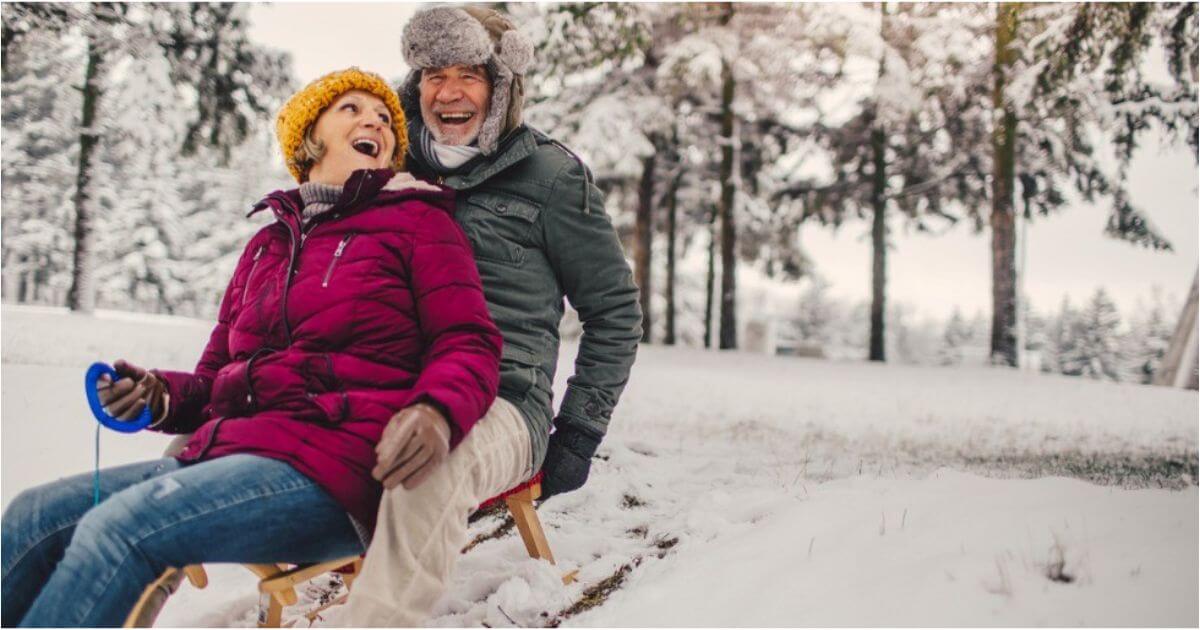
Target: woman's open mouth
366 146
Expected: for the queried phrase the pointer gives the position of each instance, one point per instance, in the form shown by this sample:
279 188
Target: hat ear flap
515 51
410 94
493 125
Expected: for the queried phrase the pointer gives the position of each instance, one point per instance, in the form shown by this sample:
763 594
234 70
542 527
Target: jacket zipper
341 248
246 289
294 255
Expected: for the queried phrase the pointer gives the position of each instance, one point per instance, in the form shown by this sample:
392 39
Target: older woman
358 302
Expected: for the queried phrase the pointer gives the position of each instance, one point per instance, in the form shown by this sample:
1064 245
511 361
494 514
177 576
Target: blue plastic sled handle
90 381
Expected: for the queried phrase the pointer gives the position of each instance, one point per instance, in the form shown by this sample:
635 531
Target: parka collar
519 145
362 184
516 146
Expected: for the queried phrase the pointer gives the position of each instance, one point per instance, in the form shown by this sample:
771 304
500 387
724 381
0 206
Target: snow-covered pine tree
784 57
816 313
1061 339
1094 350
22 19
957 334
1036 332
40 145
595 87
235 85
689 76
639 91
907 144
134 169
1150 330
214 216
1060 74
203 43
140 234
787 75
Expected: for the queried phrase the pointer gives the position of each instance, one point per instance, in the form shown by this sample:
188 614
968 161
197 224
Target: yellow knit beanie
305 106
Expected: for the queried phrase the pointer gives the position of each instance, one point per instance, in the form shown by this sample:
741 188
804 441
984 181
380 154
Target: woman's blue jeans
67 563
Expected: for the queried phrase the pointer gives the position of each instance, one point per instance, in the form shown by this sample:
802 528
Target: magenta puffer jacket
327 330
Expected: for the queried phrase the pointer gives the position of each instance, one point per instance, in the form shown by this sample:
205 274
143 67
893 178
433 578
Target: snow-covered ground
745 490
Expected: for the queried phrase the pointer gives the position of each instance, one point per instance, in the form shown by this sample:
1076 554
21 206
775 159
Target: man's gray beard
432 124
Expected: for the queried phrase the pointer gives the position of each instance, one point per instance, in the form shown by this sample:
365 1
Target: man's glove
137 388
568 458
414 443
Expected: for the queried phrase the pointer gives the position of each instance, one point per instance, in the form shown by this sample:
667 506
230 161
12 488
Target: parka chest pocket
262 275
500 227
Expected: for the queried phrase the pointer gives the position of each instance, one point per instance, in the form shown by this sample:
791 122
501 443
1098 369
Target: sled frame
278 581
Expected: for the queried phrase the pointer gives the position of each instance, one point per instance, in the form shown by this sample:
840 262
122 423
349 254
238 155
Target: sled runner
277 582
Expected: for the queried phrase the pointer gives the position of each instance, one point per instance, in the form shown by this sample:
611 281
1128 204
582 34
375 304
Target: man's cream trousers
421 532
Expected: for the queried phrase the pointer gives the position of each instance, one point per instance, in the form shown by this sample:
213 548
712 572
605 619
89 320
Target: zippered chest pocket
500 227
265 263
258 253
338 253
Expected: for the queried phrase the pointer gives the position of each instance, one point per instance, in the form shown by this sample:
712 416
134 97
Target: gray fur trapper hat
443 36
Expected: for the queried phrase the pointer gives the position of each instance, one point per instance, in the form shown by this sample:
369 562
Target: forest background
770 168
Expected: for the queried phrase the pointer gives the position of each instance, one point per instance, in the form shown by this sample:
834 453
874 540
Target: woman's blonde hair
308 153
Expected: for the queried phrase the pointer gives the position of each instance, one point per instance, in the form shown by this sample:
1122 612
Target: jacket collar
362 185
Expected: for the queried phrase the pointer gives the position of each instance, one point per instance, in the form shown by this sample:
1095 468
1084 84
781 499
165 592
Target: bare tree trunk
1004 292
6 39
24 296
643 241
10 279
878 247
1178 367
82 296
728 330
672 208
711 280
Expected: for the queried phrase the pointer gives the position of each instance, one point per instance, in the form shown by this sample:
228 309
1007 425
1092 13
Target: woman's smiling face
356 131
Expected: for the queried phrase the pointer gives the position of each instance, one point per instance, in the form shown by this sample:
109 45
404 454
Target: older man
540 233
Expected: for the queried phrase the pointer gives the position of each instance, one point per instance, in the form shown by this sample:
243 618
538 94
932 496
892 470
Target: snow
748 490
949 550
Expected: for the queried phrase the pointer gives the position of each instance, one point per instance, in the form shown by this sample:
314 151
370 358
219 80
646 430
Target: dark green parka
540 233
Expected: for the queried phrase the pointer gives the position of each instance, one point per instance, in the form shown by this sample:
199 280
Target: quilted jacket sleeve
461 363
189 391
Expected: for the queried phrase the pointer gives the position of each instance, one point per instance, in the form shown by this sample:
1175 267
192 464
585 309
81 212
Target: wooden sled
278 582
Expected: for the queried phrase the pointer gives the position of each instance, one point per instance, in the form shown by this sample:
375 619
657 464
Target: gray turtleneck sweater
318 198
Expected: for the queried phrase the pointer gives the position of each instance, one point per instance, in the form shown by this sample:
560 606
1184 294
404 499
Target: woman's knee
125 521
41 511
49 500
22 509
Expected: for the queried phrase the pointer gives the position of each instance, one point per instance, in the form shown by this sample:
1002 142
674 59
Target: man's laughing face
454 102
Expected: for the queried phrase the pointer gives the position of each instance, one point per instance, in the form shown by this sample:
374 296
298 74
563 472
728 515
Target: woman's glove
568 458
137 388
414 443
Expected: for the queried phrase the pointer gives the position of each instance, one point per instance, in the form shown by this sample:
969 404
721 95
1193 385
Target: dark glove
568 458
137 388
